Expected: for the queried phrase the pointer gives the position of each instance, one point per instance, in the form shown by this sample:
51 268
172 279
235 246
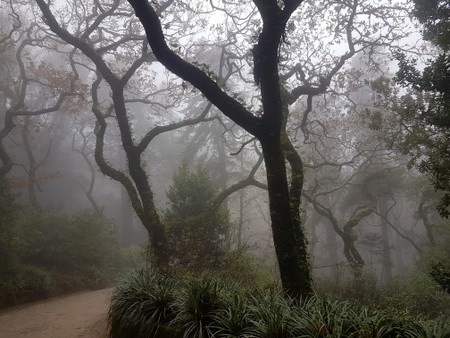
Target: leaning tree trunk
136 184
386 268
126 219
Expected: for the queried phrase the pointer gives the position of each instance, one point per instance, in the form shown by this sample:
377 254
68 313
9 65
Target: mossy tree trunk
284 200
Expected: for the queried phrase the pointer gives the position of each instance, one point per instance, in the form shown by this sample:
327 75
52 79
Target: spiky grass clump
316 317
437 328
387 324
196 308
271 314
234 319
141 304
151 305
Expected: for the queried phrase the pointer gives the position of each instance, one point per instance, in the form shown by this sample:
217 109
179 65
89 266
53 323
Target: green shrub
418 293
141 304
359 286
133 257
25 284
196 228
441 275
49 253
69 243
242 267
9 234
436 260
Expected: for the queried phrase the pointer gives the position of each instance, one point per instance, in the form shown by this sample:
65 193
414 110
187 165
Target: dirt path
78 315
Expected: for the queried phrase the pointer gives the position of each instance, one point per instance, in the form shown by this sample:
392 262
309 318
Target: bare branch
188 72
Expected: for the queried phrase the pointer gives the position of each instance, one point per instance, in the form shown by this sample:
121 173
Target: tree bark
32 164
126 219
290 244
288 237
386 266
422 211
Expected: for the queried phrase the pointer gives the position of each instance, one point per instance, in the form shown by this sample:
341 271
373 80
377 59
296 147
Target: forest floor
82 314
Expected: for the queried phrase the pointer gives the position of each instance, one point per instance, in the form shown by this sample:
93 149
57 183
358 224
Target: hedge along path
78 315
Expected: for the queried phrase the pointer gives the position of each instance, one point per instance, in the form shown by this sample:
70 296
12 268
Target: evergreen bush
49 253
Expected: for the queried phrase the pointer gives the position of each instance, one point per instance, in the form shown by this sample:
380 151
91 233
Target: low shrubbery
49 253
424 290
147 304
441 275
52 253
416 292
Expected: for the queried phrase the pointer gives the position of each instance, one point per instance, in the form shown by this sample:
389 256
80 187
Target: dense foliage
441 274
48 253
152 305
196 228
437 260
8 231
425 110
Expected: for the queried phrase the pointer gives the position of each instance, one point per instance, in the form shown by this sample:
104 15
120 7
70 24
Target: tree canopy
426 109
274 93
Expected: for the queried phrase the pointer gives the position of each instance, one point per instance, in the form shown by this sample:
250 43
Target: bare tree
280 78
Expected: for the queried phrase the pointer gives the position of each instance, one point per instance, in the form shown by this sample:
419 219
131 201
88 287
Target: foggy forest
265 168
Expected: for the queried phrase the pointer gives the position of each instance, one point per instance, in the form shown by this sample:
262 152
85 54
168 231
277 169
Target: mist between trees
221 131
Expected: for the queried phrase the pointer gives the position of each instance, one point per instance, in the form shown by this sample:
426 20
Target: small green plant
197 307
234 319
271 314
141 304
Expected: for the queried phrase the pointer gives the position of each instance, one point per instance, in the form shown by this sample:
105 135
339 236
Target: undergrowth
416 292
147 304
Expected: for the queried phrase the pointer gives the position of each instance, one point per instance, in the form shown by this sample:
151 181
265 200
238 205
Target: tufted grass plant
234 319
141 304
271 314
439 327
151 305
387 323
196 308
317 317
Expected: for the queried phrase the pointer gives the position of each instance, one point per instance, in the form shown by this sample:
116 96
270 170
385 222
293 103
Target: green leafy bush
196 228
436 261
50 253
69 243
8 230
418 293
441 275
133 257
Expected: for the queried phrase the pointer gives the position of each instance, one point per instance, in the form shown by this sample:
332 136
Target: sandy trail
78 315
